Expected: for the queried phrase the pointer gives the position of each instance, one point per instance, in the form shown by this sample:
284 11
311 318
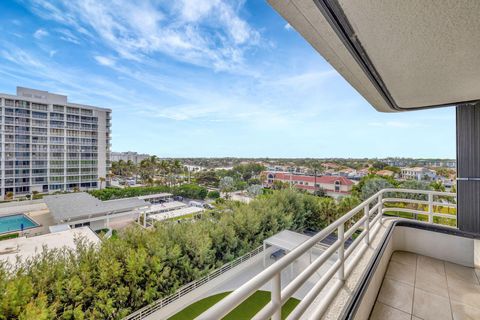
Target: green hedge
9 236
192 191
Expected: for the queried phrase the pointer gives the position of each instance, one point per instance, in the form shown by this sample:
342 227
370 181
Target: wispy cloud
67 35
288 26
105 61
40 33
208 33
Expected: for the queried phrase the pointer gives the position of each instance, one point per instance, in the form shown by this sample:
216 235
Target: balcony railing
363 218
159 304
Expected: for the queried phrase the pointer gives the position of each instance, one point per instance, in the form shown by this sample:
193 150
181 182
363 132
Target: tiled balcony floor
419 287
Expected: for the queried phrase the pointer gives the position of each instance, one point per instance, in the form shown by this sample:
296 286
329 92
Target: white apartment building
51 144
418 173
129 156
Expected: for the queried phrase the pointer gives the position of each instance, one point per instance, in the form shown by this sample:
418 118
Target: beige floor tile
384 312
401 272
396 294
432 282
431 265
464 292
404 257
464 312
430 306
460 273
416 318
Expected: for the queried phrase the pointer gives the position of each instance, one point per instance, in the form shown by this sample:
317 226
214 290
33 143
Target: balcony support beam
468 167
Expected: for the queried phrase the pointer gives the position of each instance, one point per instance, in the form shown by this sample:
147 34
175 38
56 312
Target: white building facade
50 144
129 156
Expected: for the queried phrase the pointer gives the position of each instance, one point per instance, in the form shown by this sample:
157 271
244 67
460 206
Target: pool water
14 223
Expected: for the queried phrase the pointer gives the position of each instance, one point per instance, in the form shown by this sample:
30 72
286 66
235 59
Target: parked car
208 206
195 204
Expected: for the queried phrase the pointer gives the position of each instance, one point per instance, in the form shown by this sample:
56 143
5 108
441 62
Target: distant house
385 173
334 186
418 173
330 165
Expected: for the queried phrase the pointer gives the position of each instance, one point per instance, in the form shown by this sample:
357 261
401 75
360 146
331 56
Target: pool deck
36 210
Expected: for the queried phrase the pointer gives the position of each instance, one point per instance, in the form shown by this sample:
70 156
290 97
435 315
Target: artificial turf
244 311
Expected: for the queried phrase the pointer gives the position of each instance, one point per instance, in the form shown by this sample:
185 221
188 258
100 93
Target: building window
337 186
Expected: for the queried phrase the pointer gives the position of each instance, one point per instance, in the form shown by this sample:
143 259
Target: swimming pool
15 222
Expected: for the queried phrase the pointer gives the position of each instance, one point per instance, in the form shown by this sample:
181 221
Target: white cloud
208 33
67 35
288 26
51 53
105 61
40 33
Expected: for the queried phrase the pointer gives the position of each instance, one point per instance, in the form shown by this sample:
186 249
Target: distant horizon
293 158
205 79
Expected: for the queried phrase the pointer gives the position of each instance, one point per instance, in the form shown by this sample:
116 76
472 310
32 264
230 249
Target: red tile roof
322 179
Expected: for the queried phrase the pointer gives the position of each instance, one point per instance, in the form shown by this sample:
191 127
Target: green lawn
244 311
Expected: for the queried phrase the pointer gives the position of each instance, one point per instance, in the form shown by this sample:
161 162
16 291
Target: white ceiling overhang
400 55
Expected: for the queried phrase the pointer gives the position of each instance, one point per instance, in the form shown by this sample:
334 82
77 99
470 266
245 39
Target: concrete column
468 167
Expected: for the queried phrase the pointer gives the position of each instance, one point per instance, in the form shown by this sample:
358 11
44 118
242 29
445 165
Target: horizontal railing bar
296 283
227 304
231 301
442 204
435 203
156 305
426 213
355 244
388 200
374 208
436 193
444 215
313 293
355 227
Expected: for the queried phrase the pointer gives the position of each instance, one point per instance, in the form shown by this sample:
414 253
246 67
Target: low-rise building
418 173
334 186
81 209
385 173
128 156
28 247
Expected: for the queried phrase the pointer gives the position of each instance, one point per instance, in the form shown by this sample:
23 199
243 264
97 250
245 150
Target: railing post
276 296
341 252
380 207
366 211
430 208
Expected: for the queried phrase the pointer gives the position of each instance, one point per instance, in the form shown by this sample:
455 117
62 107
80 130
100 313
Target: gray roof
287 240
74 206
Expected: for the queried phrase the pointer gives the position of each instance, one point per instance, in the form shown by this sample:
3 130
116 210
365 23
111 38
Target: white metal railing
371 211
159 304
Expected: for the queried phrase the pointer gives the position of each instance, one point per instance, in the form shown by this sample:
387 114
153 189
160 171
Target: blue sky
204 78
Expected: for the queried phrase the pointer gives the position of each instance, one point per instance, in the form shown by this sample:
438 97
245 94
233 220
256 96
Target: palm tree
316 167
101 180
165 168
176 167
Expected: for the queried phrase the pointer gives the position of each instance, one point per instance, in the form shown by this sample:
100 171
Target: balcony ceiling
400 55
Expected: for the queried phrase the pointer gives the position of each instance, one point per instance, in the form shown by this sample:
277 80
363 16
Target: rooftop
319 179
287 240
26 248
71 206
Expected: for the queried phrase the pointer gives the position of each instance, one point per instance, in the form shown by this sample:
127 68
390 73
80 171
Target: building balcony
397 252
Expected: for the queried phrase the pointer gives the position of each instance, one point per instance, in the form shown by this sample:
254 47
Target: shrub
213 195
